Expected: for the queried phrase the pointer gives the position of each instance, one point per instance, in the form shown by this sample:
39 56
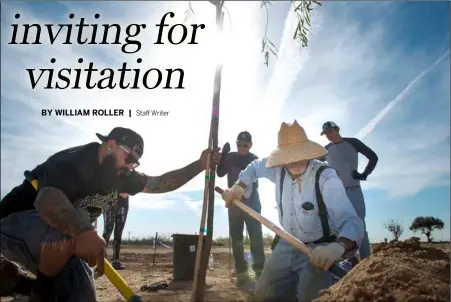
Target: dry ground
140 271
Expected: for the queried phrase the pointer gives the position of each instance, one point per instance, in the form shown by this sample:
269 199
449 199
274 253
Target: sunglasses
130 158
241 145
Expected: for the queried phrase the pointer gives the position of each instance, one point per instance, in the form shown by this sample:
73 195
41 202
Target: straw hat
294 146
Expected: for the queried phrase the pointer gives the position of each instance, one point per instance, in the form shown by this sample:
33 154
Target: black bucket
184 256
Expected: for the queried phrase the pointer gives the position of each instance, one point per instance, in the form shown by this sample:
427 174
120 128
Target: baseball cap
126 137
328 125
245 137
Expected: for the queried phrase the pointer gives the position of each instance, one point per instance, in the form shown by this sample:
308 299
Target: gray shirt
343 157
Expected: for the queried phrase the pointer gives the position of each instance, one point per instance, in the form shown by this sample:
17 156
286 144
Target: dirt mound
401 271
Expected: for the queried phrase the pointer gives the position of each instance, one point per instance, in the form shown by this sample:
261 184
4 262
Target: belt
323 240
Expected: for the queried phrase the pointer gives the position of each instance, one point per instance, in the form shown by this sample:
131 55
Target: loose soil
398 272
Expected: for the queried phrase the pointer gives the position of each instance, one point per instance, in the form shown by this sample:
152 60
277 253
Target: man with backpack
232 164
313 207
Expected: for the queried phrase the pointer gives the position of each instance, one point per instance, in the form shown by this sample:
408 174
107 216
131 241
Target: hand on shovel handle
336 270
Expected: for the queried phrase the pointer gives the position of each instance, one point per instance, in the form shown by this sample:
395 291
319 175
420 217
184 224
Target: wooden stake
203 250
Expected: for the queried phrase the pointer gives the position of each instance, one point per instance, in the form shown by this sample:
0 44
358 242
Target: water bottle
250 261
211 261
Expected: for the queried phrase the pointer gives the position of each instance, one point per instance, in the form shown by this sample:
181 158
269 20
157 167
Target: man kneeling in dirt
50 231
313 207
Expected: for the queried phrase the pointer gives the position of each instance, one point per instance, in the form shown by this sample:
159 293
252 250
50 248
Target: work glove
225 149
359 176
323 257
235 192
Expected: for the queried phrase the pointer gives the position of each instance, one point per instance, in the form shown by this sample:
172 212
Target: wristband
240 184
84 230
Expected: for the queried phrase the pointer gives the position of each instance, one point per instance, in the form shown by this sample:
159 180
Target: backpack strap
282 178
322 211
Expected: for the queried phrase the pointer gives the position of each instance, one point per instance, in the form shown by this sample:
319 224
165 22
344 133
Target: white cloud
343 76
399 98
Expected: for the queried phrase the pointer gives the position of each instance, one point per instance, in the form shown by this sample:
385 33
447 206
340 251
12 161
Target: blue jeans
289 276
355 195
237 219
23 233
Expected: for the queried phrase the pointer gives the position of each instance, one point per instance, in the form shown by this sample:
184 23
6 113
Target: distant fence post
155 242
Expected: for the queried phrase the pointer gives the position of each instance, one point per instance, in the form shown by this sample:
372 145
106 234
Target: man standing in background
343 156
232 164
114 218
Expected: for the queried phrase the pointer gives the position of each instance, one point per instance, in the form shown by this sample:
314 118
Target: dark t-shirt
76 172
233 164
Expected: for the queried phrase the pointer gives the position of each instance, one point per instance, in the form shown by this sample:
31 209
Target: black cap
328 125
125 137
245 137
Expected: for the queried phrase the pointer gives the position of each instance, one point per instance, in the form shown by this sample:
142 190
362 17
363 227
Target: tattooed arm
136 182
173 180
55 209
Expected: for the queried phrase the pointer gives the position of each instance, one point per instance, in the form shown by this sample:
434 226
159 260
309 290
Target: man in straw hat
325 221
342 155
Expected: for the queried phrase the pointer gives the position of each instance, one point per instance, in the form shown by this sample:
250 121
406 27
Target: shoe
242 279
34 297
24 285
11 277
246 285
118 266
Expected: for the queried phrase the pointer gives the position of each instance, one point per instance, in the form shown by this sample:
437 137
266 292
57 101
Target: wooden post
155 248
203 250
230 257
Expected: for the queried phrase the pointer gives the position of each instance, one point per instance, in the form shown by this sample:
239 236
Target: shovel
334 269
109 271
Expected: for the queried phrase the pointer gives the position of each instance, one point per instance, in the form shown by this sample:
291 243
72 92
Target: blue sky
378 69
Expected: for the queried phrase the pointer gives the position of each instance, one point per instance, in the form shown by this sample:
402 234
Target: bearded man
50 230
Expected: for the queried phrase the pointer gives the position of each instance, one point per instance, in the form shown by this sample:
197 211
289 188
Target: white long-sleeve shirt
306 224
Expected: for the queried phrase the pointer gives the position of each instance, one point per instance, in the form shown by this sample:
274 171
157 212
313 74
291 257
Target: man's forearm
55 209
173 180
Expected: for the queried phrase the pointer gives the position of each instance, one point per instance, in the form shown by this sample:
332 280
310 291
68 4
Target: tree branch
303 14
188 12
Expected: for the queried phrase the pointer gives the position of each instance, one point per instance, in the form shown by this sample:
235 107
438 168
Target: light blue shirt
306 224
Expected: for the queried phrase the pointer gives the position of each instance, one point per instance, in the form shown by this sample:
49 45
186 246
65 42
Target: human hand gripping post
335 269
109 271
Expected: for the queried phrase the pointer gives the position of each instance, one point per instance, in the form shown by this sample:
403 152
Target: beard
110 176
